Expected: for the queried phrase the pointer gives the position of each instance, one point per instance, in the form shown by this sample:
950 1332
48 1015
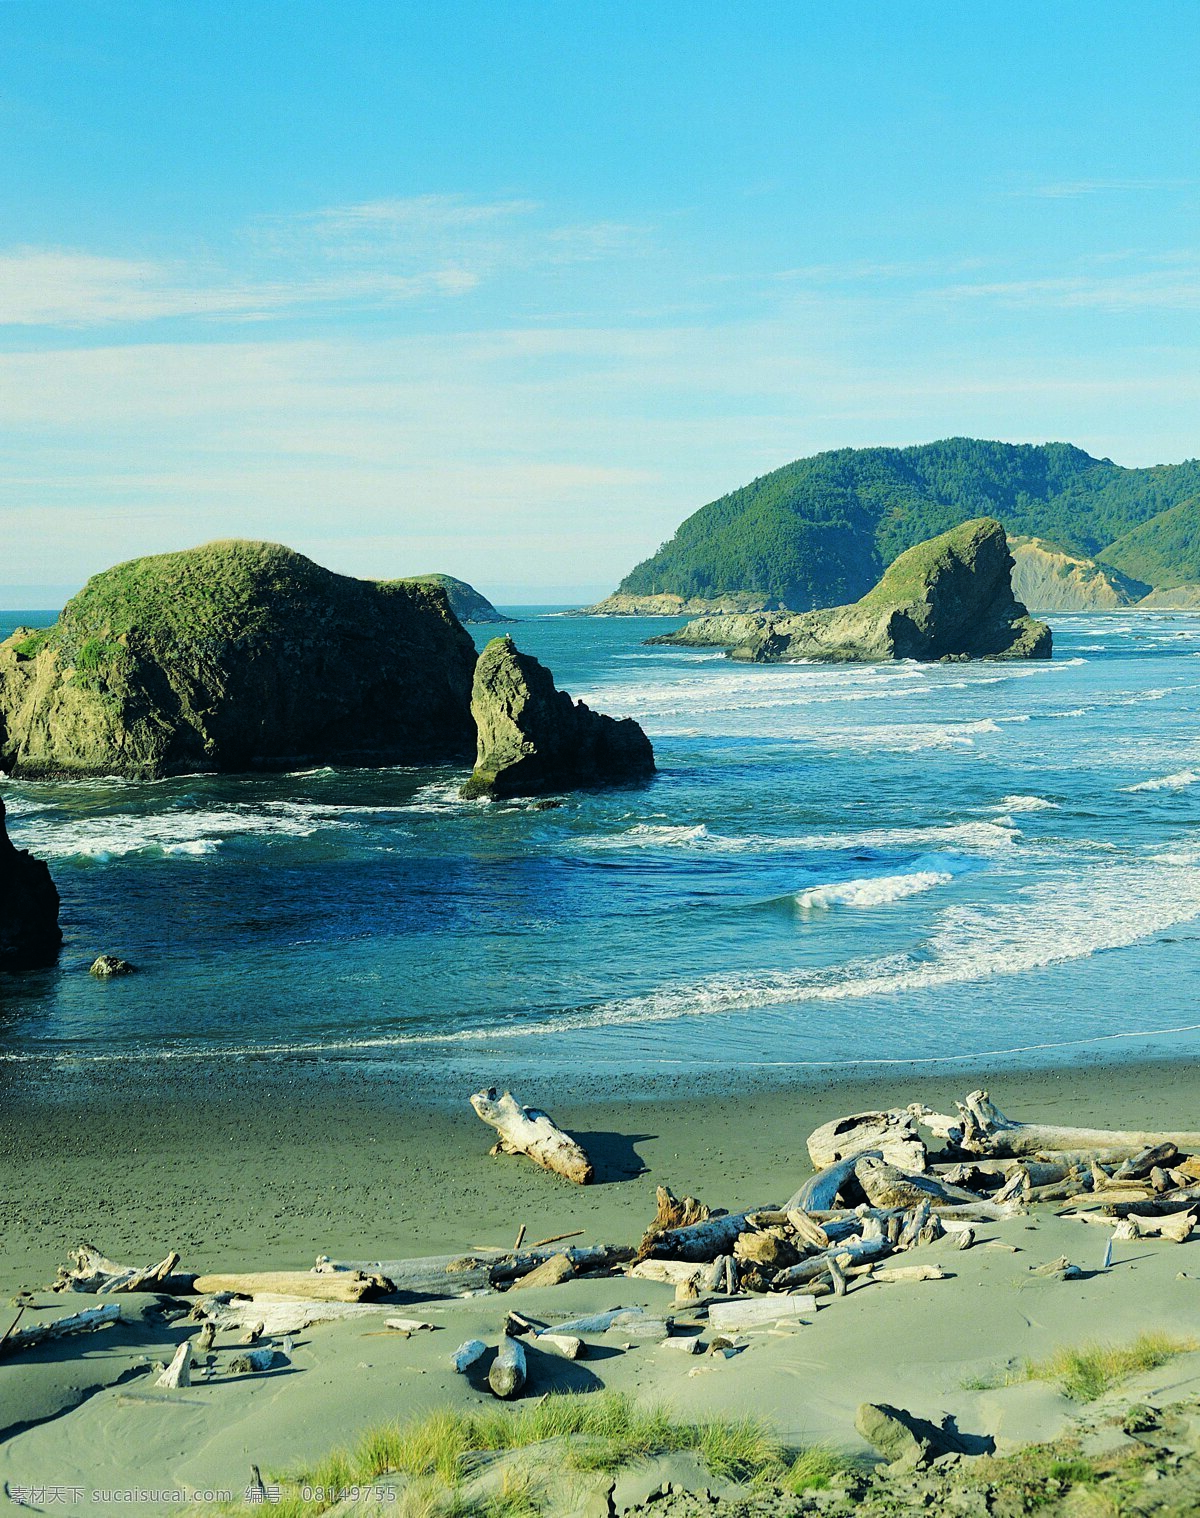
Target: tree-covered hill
820 531
1165 551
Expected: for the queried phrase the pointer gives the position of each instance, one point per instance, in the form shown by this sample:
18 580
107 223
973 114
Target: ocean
837 869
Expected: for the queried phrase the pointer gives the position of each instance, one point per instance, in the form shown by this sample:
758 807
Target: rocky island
465 601
234 656
533 738
29 933
948 598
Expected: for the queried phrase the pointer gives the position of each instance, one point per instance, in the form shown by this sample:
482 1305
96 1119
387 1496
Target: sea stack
948 598
533 738
29 933
235 656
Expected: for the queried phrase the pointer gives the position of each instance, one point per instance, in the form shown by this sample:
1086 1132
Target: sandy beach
240 1174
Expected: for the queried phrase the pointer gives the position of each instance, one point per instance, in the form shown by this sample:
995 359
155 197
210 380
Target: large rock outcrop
533 738
234 656
948 598
29 931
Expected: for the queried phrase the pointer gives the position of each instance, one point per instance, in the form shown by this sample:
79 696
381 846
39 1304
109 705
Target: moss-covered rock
948 598
533 738
233 656
29 931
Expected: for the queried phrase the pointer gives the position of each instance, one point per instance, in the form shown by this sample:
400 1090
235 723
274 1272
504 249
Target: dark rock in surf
29 933
106 966
534 738
948 598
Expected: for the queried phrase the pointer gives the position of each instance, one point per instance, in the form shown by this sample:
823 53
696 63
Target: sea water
837 868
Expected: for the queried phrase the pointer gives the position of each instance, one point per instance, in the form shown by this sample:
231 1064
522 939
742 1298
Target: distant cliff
234 656
1048 578
949 598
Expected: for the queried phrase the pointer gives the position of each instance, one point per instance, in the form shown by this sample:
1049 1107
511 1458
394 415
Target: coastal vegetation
1164 551
818 532
440 1453
1083 1373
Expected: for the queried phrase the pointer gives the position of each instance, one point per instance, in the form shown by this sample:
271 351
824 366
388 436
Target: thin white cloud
373 254
61 287
1175 289
1068 189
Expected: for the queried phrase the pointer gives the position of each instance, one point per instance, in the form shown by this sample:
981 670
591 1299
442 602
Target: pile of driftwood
880 1189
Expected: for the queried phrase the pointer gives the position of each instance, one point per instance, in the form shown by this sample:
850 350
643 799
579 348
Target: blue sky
509 290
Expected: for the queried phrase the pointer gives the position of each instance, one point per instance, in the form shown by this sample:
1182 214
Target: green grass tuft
438 1453
1085 1373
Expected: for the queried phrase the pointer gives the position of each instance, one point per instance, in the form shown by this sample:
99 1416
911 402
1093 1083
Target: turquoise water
835 866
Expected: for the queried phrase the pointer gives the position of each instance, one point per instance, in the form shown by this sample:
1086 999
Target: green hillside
820 531
1165 551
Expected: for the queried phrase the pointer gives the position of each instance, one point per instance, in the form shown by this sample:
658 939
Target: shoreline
381 1167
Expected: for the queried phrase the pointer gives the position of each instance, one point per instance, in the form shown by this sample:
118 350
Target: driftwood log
179 1372
41 1333
984 1129
726 1317
507 1374
893 1134
526 1130
323 1286
468 1354
95 1273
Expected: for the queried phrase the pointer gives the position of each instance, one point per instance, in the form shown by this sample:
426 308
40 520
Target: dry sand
246 1174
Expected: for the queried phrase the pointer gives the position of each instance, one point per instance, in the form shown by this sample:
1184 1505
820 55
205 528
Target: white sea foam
872 891
987 838
180 833
1024 804
1177 782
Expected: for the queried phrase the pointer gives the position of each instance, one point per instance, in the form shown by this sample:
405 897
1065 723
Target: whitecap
871 891
1024 804
1177 782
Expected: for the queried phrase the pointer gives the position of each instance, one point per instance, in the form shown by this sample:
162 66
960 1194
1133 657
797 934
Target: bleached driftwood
984 1129
701 1242
95 1273
897 1273
567 1345
529 1131
672 1272
683 1345
450 1275
334 1286
507 1374
409 1325
179 1372
61 1328
284 1315
1176 1227
467 1354
893 1134
726 1317
849 1253
552 1272
886 1185
671 1214
820 1192
633 1322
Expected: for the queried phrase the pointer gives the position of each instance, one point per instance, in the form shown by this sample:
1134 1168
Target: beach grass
438 1454
1085 1372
